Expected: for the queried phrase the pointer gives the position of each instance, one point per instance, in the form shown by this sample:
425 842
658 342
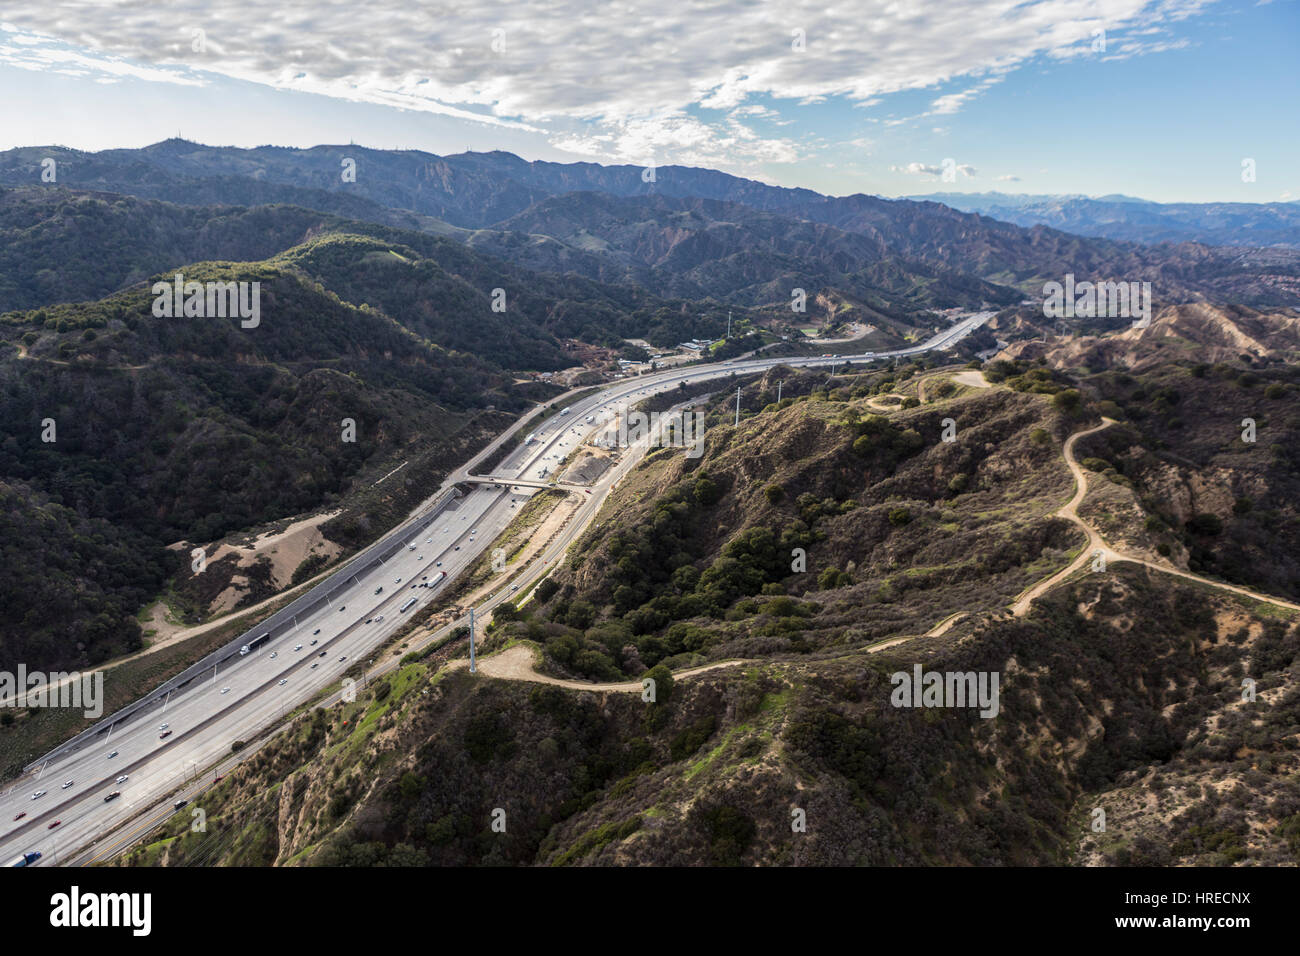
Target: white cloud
614 78
1008 179
930 172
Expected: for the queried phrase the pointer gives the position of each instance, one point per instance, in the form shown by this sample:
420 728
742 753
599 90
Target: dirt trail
520 661
1097 544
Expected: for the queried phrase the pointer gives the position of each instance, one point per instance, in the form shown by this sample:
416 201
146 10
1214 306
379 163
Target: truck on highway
532 437
566 411
590 419
27 859
408 604
255 643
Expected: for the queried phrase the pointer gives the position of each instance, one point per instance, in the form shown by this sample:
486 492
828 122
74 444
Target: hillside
1261 224
187 429
1105 701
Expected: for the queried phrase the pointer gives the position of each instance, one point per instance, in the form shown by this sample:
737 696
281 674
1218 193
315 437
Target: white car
225 690
163 726
297 647
122 779
274 655
379 619
37 794
398 581
283 681
67 785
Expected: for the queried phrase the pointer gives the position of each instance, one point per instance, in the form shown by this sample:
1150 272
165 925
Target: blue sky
1011 96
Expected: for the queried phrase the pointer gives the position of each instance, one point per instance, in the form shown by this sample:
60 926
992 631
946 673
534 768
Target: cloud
933 172
623 76
1008 179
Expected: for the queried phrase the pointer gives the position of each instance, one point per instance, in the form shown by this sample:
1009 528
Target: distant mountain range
1139 220
681 232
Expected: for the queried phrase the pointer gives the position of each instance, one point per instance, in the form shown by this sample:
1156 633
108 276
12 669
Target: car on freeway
297 647
66 785
379 619
178 804
343 658
369 619
439 564
321 654
122 779
38 794
283 681
21 815
514 587
314 643
428 541
380 589
112 755
398 581
163 726
457 547
343 608
274 655
225 690
317 631
164 735
54 824
315 664
113 796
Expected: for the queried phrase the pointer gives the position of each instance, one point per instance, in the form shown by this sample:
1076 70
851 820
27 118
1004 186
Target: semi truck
27 859
408 604
255 643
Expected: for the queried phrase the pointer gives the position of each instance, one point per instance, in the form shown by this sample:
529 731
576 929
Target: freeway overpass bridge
506 480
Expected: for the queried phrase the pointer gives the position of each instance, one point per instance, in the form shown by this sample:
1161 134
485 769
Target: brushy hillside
1105 702
169 429
700 559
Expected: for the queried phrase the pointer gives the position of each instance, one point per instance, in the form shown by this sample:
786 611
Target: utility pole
471 640
737 406
728 323
778 391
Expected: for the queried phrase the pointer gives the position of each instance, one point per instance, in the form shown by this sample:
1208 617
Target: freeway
173 735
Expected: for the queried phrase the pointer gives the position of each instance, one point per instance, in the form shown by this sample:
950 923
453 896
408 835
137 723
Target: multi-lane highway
177 734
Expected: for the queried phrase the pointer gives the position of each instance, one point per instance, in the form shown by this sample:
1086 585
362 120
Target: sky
1167 100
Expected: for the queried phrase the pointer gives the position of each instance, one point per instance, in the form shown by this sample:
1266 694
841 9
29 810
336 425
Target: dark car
321 654
164 735
113 796
54 824
178 804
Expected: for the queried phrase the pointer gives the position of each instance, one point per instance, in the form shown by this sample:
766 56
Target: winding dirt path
1097 544
520 663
